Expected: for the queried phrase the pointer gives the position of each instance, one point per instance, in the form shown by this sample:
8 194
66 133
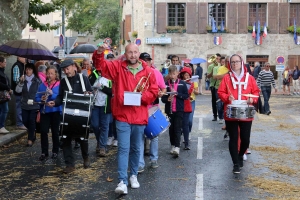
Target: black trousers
50 119
214 101
232 128
259 107
68 151
29 120
175 128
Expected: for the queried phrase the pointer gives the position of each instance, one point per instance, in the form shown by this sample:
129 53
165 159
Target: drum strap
81 81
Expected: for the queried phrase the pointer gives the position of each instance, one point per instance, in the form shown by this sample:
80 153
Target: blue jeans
100 125
207 83
153 151
220 107
191 116
266 91
19 121
129 145
3 113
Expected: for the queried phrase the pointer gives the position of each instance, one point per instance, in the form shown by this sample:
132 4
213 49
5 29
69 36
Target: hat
66 63
145 55
186 70
110 55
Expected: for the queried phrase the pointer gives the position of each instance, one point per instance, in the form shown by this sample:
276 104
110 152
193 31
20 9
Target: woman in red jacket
238 81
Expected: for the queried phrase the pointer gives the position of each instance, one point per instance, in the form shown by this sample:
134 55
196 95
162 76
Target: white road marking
199 187
199 148
200 125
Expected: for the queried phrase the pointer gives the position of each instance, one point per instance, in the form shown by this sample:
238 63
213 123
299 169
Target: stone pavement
13 135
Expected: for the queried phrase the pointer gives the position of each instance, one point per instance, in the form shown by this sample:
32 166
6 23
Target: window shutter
161 17
127 26
272 18
243 17
283 17
191 18
202 10
231 17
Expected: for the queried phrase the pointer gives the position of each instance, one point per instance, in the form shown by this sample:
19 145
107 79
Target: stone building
185 27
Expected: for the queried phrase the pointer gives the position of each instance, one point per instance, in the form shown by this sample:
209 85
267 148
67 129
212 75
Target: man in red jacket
131 120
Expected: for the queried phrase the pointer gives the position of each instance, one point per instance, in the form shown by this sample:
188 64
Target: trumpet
213 59
167 63
143 84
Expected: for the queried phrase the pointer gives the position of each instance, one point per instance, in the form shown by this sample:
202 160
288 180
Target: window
257 11
176 14
294 13
217 11
57 32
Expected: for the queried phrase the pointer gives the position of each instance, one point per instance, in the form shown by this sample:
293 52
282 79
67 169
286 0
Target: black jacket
4 81
14 83
26 95
182 94
76 87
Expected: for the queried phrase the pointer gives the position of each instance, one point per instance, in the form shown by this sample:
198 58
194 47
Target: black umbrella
56 49
84 48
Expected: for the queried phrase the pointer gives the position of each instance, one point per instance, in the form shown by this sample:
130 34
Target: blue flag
258 33
222 25
295 32
213 26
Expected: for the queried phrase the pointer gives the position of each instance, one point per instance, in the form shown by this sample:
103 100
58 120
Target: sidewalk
13 135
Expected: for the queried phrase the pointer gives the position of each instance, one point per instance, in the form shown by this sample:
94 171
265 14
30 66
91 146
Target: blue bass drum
157 123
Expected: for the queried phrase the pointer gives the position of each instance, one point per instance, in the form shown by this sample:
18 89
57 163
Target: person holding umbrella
199 72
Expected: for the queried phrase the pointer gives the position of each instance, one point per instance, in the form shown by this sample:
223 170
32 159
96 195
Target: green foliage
98 17
39 8
291 29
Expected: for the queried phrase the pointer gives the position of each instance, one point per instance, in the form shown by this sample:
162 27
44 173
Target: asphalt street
204 172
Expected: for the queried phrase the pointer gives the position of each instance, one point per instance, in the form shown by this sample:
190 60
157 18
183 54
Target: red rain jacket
124 80
224 94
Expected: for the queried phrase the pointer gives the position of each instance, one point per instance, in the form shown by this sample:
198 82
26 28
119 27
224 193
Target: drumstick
228 88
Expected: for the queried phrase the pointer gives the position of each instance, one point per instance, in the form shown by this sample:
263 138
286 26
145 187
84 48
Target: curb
11 137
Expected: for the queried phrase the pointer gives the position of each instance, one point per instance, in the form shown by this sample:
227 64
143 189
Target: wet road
204 172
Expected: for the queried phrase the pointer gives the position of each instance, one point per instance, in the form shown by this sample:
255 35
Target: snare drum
157 123
76 115
240 111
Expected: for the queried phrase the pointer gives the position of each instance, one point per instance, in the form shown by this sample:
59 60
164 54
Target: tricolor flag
265 31
213 26
217 40
253 32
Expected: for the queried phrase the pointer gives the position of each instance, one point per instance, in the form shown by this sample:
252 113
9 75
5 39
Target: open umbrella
84 48
197 61
56 49
27 49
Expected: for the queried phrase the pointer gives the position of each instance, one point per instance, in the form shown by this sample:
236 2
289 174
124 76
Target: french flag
253 32
265 31
217 40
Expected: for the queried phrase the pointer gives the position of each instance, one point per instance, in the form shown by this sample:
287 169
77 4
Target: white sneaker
134 182
109 141
176 151
244 157
115 143
221 121
122 188
3 130
172 149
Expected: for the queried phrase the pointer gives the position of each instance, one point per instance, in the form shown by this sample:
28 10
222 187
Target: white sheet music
104 81
132 98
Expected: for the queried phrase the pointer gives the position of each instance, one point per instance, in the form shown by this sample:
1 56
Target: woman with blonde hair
286 80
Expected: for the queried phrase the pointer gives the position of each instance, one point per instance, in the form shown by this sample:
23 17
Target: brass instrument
143 84
213 59
47 94
167 63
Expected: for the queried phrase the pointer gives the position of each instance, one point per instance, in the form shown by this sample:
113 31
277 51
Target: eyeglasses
235 62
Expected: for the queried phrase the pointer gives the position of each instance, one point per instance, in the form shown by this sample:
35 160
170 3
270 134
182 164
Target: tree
98 17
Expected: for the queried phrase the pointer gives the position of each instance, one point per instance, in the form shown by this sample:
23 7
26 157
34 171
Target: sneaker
241 161
115 143
176 151
294 93
54 156
221 121
134 182
248 151
140 169
69 169
172 149
268 113
3 130
109 141
244 157
214 119
154 164
43 157
236 169
122 188
226 135
102 152
21 127
298 93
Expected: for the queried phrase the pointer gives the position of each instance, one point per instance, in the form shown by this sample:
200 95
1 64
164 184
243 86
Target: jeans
266 91
207 83
3 113
112 128
191 116
129 144
220 107
100 125
29 118
19 121
175 128
153 151
213 101
48 119
233 128
68 150
185 128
